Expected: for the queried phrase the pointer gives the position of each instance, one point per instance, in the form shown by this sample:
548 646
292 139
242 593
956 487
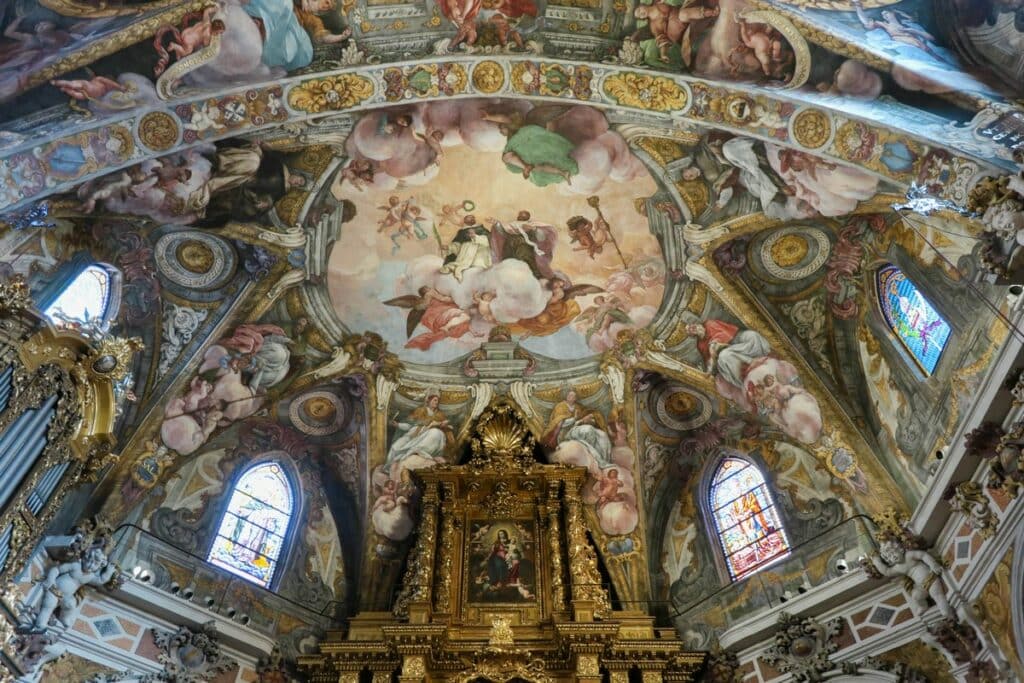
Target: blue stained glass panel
918 325
747 522
252 530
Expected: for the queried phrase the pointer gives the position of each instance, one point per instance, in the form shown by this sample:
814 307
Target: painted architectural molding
26 173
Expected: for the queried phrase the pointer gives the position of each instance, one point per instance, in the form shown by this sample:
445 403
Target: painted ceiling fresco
660 228
556 248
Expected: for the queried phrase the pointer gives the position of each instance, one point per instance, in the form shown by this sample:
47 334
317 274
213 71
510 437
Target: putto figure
87 563
473 17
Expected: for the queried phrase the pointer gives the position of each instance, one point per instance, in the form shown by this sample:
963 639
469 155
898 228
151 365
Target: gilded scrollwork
501 501
32 390
502 440
970 500
111 360
587 665
14 295
72 377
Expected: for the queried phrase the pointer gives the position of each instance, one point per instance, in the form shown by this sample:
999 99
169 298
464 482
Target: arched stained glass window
87 301
746 519
912 319
253 528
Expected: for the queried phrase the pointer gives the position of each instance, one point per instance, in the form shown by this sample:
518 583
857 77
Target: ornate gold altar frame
567 632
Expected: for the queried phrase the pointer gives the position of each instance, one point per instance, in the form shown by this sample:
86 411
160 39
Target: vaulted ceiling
344 228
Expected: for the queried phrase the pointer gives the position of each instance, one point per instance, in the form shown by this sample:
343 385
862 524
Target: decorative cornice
687 100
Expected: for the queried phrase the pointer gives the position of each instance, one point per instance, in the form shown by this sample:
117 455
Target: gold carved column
414 600
588 667
450 526
414 669
554 514
589 598
652 675
619 675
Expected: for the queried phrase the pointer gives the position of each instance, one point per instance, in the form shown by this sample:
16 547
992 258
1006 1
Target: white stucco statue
920 571
62 583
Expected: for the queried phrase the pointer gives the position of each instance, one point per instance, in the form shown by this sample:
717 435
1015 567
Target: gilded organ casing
502 582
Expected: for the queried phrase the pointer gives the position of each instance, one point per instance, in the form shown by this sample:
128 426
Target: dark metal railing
122 548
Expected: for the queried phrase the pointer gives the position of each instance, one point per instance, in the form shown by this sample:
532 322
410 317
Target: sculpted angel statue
920 571
63 582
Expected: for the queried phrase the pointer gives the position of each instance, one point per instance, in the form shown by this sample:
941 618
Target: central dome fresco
480 213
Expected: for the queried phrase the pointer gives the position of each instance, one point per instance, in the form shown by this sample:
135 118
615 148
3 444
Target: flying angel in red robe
435 311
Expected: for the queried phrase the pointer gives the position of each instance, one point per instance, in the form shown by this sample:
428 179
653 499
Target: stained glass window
84 301
746 518
918 325
253 527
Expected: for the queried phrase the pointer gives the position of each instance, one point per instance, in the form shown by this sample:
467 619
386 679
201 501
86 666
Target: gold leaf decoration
502 435
332 93
501 439
656 93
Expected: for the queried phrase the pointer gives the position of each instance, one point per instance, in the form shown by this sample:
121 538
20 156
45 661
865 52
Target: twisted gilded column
446 563
555 546
588 596
416 587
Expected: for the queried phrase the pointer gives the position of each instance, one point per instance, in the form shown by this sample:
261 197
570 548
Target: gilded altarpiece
502 582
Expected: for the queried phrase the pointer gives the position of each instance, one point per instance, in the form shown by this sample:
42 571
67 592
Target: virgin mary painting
501 563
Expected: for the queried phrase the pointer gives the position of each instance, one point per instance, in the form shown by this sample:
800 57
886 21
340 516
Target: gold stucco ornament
642 91
332 93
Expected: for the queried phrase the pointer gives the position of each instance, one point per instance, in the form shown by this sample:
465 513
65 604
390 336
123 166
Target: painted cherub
410 223
393 212
189 39
792 159
451 214
390 497
605 311
359 172
670 25
433 140
608 488
591 235
770 396
764 43
94 88
483 305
